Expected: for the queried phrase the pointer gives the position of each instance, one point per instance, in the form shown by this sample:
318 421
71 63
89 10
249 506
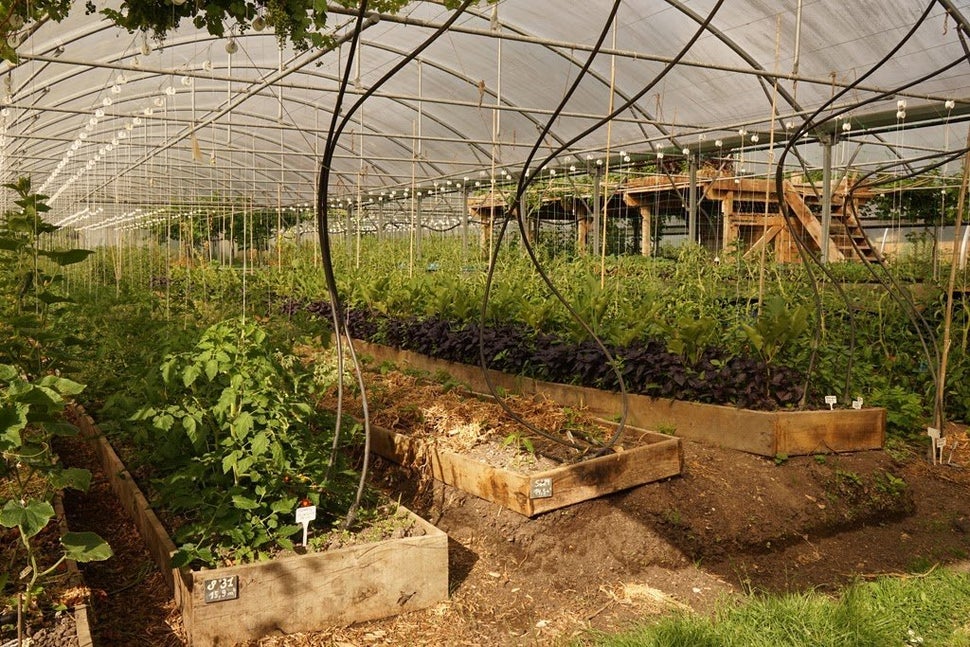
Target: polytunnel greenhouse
509 322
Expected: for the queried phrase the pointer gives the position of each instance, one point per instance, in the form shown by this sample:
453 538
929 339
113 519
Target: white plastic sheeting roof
110 122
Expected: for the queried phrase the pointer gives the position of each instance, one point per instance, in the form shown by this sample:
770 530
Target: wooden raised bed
82 623
294 593
767 433
651 457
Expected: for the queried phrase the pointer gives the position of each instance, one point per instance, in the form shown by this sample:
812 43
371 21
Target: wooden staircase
752 214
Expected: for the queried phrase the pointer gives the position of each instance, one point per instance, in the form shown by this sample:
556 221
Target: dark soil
49 622
731 523
131 603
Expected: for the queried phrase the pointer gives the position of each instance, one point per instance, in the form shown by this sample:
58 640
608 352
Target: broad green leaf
244 463
282 506
67 257
190 374
10 244
60 428
30 518
163 422
182 558
62 385
211 369
85 547
13 418
8 372
242 425
244 503
259 444
288 531
189 553
144 413
191 429
229 461
71 477
168 371
40 396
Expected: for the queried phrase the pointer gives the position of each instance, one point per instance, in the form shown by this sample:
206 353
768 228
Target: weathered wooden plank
508 489
293 593
651 458
337 587
647 457
811 432
767 433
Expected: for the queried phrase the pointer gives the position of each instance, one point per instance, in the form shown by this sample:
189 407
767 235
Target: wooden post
582 234
730 232
488 219
646 223
826 238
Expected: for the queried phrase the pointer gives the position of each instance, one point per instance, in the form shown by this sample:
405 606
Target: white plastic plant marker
304 516
831 400
857 403
934 435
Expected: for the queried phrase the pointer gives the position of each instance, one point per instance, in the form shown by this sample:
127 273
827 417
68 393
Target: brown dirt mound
730 523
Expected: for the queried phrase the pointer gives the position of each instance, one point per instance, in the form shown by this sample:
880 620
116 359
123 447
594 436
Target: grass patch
929 609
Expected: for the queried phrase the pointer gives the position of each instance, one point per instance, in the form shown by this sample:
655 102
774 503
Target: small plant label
831 400
937 443
541 488
857 403
304 516
220 589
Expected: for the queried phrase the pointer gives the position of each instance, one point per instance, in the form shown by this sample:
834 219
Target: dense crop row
647 366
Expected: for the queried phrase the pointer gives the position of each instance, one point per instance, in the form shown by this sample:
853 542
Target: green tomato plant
240 444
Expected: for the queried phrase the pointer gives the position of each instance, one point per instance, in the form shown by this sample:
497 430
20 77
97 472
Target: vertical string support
938 408
607 193
771 159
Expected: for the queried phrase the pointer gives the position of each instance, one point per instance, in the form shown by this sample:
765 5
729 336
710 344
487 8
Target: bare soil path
732 522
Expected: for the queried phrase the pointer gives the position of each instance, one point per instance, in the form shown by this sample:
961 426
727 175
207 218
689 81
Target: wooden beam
766 238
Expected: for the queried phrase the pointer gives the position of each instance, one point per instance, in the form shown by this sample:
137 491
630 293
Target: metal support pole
597 176
380 219
692 200
417 229
464 218
348 215
826 198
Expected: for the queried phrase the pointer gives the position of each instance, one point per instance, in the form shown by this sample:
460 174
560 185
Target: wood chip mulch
132 604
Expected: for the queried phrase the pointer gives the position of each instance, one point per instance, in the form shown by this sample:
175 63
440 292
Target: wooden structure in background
732 212
747 212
